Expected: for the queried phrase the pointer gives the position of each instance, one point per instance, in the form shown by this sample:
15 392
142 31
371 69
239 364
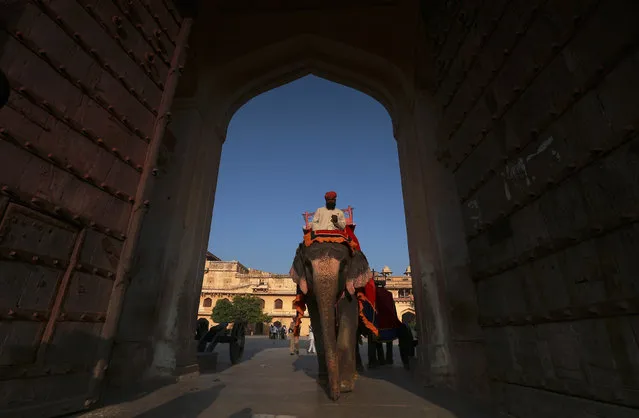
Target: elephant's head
324 271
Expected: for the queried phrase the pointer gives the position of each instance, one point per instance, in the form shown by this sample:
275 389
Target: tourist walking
311 341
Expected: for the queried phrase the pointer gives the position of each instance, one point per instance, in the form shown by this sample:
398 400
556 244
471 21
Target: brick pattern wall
540 103
86 79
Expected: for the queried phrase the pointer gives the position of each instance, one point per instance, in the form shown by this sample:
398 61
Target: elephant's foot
347 385
334 392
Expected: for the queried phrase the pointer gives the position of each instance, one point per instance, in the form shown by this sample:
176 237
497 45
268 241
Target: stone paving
270 383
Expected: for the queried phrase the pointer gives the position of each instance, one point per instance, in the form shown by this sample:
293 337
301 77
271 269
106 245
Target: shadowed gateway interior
516 132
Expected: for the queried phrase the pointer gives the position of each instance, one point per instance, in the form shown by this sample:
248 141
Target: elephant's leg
389 352
379 347
348 316
372 352
316 323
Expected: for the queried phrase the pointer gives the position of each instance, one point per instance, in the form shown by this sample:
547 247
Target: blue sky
284 150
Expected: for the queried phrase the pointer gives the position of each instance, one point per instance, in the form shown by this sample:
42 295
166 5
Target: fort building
226 279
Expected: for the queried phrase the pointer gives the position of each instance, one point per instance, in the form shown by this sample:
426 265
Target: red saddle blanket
344 236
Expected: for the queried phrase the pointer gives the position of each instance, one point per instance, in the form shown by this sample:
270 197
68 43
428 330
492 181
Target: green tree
223 311
246 308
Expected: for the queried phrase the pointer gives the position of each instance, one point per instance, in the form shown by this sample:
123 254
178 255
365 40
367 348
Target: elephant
327 274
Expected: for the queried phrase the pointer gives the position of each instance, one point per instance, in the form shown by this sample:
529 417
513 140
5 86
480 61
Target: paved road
270 383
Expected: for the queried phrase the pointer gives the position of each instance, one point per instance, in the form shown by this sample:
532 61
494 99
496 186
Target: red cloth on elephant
300 307
350 233
386 312
370 291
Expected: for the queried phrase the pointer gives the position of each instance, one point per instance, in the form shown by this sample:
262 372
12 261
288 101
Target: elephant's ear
298 272
362 279
359 271
296 278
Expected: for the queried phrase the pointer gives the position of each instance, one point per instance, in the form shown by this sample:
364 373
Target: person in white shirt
311 341
328 218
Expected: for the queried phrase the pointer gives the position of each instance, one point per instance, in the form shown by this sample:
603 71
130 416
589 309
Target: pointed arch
264 69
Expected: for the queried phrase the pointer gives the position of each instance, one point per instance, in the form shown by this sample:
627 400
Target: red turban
330 195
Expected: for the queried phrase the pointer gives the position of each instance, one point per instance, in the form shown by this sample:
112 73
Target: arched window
293 305
262 303
278 304
207 303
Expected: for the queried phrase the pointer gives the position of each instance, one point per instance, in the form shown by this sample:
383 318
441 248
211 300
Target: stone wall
86 84
539 107
516 129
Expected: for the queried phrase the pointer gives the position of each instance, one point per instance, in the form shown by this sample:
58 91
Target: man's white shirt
322 219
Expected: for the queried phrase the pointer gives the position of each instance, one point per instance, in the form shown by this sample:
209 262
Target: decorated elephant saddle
345 236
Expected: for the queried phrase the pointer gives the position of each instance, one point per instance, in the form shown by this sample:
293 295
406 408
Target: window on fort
404 293
278 304
207 303
293 305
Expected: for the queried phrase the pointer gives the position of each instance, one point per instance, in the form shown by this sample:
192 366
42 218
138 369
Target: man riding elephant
328 268
329 218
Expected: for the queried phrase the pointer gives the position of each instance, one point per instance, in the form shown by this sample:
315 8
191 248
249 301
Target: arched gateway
516 132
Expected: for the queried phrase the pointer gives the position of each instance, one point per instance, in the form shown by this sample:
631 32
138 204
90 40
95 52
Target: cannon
235 337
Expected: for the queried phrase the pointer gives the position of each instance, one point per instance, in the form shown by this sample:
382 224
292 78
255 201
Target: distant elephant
328 273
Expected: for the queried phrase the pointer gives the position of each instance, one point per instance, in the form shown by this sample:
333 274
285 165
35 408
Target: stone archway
502 181
158 288
226 84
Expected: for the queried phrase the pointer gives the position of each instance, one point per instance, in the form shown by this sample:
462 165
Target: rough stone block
524 402
563 209
471 361
610 185
499 352
529 228
619 263
129 361
547 279
565 348
582 273
486 156
586 127
618 94
597 354
595 46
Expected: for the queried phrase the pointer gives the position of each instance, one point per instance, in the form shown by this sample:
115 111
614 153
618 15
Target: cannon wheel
238 339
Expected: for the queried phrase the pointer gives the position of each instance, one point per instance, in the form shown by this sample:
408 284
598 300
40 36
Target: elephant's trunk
326 285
